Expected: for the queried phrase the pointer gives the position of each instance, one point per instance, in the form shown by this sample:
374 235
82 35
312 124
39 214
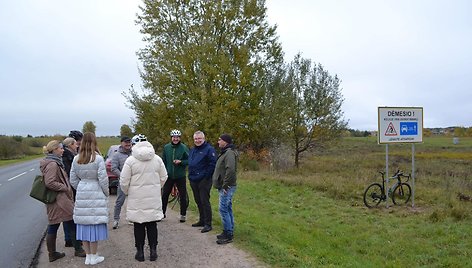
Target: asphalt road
23 220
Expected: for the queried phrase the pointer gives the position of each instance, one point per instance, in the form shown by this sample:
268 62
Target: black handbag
40 192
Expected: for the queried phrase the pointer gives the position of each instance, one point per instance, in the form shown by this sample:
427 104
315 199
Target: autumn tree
313 106
89 126
204 67
125 130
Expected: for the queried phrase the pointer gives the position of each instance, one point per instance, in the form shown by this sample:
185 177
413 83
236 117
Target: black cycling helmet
77 135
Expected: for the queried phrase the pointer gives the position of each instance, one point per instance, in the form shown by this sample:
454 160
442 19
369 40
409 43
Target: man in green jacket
175 157
224 179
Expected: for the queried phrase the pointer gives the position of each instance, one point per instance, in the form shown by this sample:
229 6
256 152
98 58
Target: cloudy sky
66 62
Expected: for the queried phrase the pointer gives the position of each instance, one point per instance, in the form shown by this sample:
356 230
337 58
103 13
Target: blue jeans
120 200
226 208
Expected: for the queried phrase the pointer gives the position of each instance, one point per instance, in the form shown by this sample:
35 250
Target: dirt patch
180 245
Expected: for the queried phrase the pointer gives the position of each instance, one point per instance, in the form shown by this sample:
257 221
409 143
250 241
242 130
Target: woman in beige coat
141 178
56 179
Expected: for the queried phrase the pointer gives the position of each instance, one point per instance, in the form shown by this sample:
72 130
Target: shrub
10 148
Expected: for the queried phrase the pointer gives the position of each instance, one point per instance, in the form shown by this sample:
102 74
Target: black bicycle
400 191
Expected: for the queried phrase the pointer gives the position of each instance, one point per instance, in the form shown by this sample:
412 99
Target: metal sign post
400 125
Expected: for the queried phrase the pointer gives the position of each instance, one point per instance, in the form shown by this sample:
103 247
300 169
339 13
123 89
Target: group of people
76 170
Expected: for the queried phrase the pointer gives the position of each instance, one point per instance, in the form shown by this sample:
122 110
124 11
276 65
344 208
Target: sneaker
228 238
224 240
206 229
221 236
115 224
96 259
198 224
183 218
130 223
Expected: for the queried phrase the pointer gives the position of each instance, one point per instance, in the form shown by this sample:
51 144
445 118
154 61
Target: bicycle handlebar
398 174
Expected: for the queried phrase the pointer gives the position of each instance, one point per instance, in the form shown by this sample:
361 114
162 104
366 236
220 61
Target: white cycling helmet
138 138
175 132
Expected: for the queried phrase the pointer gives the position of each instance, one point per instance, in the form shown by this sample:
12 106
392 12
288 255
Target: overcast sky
66 62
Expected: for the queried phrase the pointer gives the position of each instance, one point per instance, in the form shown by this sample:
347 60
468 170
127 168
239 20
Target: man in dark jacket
175 157
224 179
117 162
201 164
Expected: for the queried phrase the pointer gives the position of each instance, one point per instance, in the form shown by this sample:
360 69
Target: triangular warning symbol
390 130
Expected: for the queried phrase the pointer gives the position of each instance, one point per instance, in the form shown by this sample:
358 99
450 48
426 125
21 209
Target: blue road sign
408 128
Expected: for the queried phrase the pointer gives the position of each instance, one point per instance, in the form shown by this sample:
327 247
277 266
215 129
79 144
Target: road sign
400 125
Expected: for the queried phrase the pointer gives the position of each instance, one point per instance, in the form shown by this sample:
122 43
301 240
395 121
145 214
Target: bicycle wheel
373 195
401 194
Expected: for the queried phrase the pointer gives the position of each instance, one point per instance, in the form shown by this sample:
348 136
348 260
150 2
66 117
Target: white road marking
10 179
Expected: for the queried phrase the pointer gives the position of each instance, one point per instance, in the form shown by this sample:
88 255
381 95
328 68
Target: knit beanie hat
227 138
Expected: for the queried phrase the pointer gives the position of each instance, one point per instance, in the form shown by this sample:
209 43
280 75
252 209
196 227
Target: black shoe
206 229
221 236
225 240
198 224
69 244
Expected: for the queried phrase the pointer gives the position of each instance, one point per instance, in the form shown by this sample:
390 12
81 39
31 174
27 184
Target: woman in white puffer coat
88 176
141 178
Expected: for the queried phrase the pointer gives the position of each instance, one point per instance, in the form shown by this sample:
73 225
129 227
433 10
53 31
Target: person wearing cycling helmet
175 157
138 138
140 179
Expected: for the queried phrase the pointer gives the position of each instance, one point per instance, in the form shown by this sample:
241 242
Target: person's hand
177 161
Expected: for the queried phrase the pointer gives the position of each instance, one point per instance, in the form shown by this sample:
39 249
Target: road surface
23 220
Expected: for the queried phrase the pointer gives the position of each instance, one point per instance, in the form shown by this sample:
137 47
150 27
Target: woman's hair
88 148
68 141
51 146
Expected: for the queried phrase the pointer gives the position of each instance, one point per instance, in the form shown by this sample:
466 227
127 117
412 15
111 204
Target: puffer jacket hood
143 151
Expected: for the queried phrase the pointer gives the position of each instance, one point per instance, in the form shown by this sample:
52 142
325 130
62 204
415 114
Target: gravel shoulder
180 245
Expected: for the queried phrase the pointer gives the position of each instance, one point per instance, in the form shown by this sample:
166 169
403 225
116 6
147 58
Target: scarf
55 158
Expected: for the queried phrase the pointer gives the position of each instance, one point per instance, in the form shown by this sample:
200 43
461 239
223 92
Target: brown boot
51 245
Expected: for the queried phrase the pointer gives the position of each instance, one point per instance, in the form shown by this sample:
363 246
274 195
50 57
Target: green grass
296 226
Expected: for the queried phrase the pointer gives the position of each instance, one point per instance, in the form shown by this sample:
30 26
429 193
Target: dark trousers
140 230
69 226
182 187
201 194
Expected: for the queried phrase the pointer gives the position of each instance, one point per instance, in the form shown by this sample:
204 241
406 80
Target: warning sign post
400 125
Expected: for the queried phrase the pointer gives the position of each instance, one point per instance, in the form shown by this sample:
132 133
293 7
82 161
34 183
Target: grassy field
315 216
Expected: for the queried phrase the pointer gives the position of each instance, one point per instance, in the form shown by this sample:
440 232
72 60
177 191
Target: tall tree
126 130
89 126
204 67
314 107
